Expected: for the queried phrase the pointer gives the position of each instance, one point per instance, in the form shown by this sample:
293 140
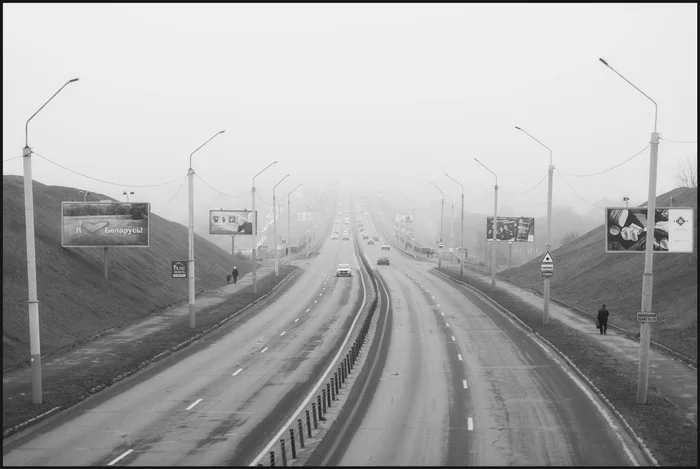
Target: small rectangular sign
231 222
547 273
179 269
646 317
547 267
105 224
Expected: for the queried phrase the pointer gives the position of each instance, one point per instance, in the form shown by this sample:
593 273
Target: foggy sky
381 97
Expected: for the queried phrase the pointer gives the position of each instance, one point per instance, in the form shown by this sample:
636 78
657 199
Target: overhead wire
609 169
216 190
103 181
674 141
572 189
522 193
10 159
176 193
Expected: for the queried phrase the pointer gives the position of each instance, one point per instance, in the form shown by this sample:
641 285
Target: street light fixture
274 221
495 227
550 172
289 225
253 250
127 194
442 206
190 260
33 302
461 253
84 194
648 276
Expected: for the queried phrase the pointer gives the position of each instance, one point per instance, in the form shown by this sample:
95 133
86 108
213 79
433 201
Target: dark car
370 242
376 238
382 260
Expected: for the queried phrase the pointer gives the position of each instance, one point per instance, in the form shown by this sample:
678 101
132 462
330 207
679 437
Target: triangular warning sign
547 259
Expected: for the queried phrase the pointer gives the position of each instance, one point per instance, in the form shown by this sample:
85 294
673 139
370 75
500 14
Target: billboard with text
105 224
305 216
514 229
626 229
231 222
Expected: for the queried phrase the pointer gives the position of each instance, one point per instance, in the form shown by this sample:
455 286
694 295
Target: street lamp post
461 253
289 225
648 276
190 260
85 194
33 302
127 195
274 221
413 221
495 227
548 240
442 206
255 230
309 225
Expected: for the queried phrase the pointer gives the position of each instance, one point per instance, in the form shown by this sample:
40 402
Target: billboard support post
233 251
106 262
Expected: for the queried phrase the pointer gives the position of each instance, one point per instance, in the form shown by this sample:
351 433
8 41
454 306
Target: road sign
179 269
547 273
547 267
547 259
646 317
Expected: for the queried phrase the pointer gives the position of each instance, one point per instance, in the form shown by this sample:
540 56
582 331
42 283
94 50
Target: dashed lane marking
283 333
459 356
194 404
114 461
296 319
237 371
470 424
263 350
464 383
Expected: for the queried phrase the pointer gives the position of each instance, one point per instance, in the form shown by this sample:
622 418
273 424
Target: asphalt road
464 386
219 400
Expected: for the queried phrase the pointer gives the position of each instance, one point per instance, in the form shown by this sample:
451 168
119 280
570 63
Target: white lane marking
120 457
194 404
320 294
442 313
283 333
296 319
470 424
308 310
237 371
433 296
459 356
438 305
453 338
447 324
315 301
263 350
464 383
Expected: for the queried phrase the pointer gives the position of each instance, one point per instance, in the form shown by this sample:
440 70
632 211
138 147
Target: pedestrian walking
234 274
603 319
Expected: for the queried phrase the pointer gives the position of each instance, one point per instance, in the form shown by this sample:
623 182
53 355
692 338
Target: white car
386 247
334 236
343 270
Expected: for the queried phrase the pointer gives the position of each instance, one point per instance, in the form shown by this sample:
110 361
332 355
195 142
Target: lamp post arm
203 145
487 169
262 172
26 126
656 106
528 134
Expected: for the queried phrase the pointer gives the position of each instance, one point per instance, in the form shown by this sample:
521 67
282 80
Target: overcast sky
387 97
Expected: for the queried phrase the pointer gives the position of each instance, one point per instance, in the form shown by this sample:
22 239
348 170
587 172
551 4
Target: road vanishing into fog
453 382
218 401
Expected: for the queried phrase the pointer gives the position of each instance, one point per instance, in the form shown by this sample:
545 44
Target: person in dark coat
603 318
234 274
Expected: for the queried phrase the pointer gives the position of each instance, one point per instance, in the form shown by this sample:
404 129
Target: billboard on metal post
105 224
305 216
626 229
231 222
520 229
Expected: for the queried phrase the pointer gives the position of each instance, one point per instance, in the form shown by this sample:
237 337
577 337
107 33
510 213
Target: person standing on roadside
234 274
603 318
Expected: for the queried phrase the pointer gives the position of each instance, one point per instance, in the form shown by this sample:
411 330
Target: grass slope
76 302
585 276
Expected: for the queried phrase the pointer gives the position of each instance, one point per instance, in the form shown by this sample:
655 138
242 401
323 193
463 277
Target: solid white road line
470 424
194 404
237 371
464 383
459 356
283 333
263 350
120 457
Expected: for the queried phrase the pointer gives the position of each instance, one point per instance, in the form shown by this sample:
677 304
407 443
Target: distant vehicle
376 238
362 230
347 221
343 270
336 221
383 260
365 236
335 231
346 238
334 236
386 247
370 242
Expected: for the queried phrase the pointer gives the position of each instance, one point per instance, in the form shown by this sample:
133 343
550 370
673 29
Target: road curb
144 364
640 443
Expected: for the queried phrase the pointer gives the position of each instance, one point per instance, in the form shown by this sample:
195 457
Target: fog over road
219 400
462 385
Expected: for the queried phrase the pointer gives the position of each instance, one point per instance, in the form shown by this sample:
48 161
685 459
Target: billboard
231 222
626 229
105 224
305 216
521 229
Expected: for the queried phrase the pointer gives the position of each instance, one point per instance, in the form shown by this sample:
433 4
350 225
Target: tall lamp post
274 221
461 252
253 248
548 239
33 303
495 227
413 221
308 225
190 260
648 277
84 194
289 224
442 207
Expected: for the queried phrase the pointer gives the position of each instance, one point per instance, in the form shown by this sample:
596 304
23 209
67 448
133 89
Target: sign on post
105 224
179 269
547 265
646 317
626 229
231 222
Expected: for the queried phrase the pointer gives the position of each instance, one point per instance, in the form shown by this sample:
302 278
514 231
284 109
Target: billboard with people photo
231 222
626 229
521 229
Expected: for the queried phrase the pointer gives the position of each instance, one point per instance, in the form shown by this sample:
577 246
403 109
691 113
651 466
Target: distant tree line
137 211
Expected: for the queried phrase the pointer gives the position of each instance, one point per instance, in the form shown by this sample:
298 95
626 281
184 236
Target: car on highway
376 238
370 242
343 270
365 236
362 230
334 236
383 260
386 247
346 237
337 221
